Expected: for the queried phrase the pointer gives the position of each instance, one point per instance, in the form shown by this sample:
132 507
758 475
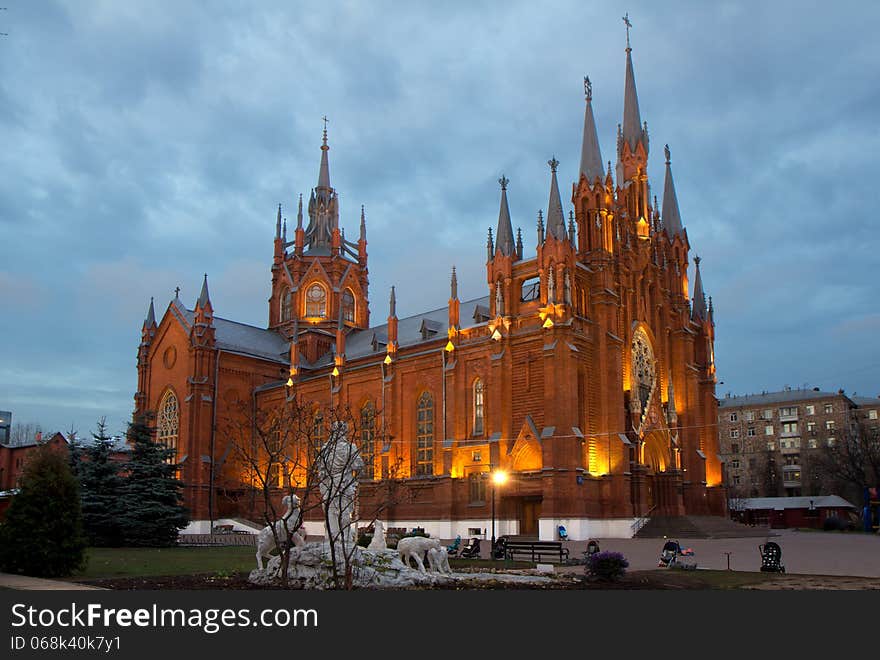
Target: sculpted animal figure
378 542
438 558
266 538
415 547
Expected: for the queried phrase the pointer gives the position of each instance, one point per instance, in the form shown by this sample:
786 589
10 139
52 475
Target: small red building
782 512
14 457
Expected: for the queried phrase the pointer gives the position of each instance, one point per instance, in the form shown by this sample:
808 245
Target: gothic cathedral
586 372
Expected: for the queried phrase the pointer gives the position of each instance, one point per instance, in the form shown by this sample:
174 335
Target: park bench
216 539
535 551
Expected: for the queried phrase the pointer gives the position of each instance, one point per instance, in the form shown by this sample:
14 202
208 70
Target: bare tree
297 448
770 472
25 433
852 463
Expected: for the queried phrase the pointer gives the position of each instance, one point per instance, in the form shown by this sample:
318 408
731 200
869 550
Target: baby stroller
499 550
454 547
669 555
771 557
471 550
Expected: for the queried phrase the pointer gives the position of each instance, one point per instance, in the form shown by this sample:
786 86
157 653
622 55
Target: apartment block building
770 443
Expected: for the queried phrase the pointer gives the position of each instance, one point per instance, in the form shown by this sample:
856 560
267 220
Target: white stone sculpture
378 542
415 547
339 462
438 559
266 537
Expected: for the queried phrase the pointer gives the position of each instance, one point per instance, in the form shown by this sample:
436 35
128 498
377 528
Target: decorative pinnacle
553 163
628 26
503 181
454 284
540 218
588 88
666 152
325 129
697 261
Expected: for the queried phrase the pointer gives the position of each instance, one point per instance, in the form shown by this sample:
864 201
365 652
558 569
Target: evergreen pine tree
100 489
43 535
152 510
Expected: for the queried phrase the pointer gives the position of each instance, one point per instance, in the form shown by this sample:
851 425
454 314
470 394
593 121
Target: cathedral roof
412 330
242 338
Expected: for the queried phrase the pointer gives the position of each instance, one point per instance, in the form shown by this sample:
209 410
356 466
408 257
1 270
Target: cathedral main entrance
662 480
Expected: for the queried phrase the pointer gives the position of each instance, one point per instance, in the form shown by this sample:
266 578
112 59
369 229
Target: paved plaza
810 553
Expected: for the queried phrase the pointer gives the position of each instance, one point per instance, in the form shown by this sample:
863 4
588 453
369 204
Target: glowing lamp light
450 346
335 371
387 358
499 477
290 382
548 323
496 335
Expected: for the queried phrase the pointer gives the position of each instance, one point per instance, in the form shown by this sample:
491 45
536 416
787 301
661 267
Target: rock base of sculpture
311 567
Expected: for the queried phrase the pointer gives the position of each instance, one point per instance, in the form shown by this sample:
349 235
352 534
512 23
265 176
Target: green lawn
135 562
132 562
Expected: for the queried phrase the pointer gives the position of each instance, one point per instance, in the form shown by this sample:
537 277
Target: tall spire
324 172
504 236
453 285
519 244
150 321
363 236
670 215
591 156
278 223
299 213
698 310
490 247
204 299
392 304
540 227
633 131
555 217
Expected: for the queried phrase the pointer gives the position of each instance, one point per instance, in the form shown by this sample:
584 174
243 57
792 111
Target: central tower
319 288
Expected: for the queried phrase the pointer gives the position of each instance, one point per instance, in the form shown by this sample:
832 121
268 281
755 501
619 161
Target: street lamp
498 479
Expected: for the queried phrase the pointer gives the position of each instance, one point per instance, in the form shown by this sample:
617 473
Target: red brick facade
585 372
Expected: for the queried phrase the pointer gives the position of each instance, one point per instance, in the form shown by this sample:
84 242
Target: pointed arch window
478 407
285 304
368 438
348 306
425 436
168 423
316 301
318 429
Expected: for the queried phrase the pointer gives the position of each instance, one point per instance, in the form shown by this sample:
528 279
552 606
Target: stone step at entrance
699 527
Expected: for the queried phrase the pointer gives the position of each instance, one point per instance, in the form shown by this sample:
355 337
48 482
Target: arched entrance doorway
655 458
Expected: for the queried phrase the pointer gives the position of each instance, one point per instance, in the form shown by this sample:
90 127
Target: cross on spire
628 26
177 292
324 118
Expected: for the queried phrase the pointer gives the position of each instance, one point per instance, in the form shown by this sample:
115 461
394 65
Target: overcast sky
146 143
